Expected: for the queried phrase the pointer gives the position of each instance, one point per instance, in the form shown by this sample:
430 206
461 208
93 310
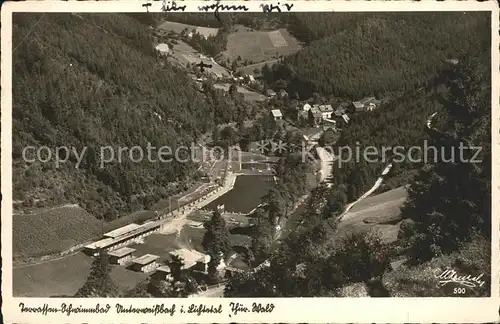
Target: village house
306 107
145 263
276 114
329 135
164 273
365 104
202 264
270 93
303 114
339 113
188 257
121 256
326 111
282 94
215 76
341 109
315 115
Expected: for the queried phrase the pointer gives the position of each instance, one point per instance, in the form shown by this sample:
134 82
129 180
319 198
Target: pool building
145 263
121 256
122 237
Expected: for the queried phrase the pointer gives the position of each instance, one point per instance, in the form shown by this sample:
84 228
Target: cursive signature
450 275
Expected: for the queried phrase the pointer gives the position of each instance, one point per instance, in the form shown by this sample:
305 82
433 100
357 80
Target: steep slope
88 81
53 231
385 53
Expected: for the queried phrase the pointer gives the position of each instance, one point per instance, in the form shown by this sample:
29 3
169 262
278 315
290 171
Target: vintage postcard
250 162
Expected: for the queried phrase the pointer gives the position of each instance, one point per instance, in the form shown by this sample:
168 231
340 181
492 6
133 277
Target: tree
139 291
233 89
176 265
248 284
450 200
275 206
262 237
215 241
99 282
363 257
158 287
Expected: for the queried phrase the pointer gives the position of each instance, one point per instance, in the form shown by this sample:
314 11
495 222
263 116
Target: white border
312 310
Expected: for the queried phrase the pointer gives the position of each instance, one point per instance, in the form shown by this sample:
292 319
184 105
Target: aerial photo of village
273 193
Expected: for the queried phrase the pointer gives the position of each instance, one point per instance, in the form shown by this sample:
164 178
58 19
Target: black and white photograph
280 154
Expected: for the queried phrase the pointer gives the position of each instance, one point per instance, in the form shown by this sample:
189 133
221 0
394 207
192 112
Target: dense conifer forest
95 80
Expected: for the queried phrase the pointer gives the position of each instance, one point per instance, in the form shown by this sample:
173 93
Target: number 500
459 291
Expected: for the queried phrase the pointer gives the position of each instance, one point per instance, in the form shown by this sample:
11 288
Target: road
260 64
366 194
326 159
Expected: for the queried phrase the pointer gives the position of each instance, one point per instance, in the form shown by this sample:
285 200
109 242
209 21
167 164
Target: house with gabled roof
282 93
270 93
326 111
145 263
276 114
365 104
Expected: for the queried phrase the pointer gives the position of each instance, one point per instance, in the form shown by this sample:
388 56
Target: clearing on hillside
52 231
183 54
258 46
380 213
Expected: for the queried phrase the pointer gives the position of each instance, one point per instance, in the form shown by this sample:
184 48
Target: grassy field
258 46
63 277
52 231
183 54
380 213
246 194
249 95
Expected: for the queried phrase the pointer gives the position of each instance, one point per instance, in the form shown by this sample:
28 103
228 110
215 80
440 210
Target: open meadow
258 46
380 213
63 277
248 94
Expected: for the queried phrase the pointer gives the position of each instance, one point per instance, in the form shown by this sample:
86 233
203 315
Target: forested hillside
375 54
95 80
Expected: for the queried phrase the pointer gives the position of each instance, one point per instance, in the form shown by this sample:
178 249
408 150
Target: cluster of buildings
270 93
116 242
317 113
325 114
